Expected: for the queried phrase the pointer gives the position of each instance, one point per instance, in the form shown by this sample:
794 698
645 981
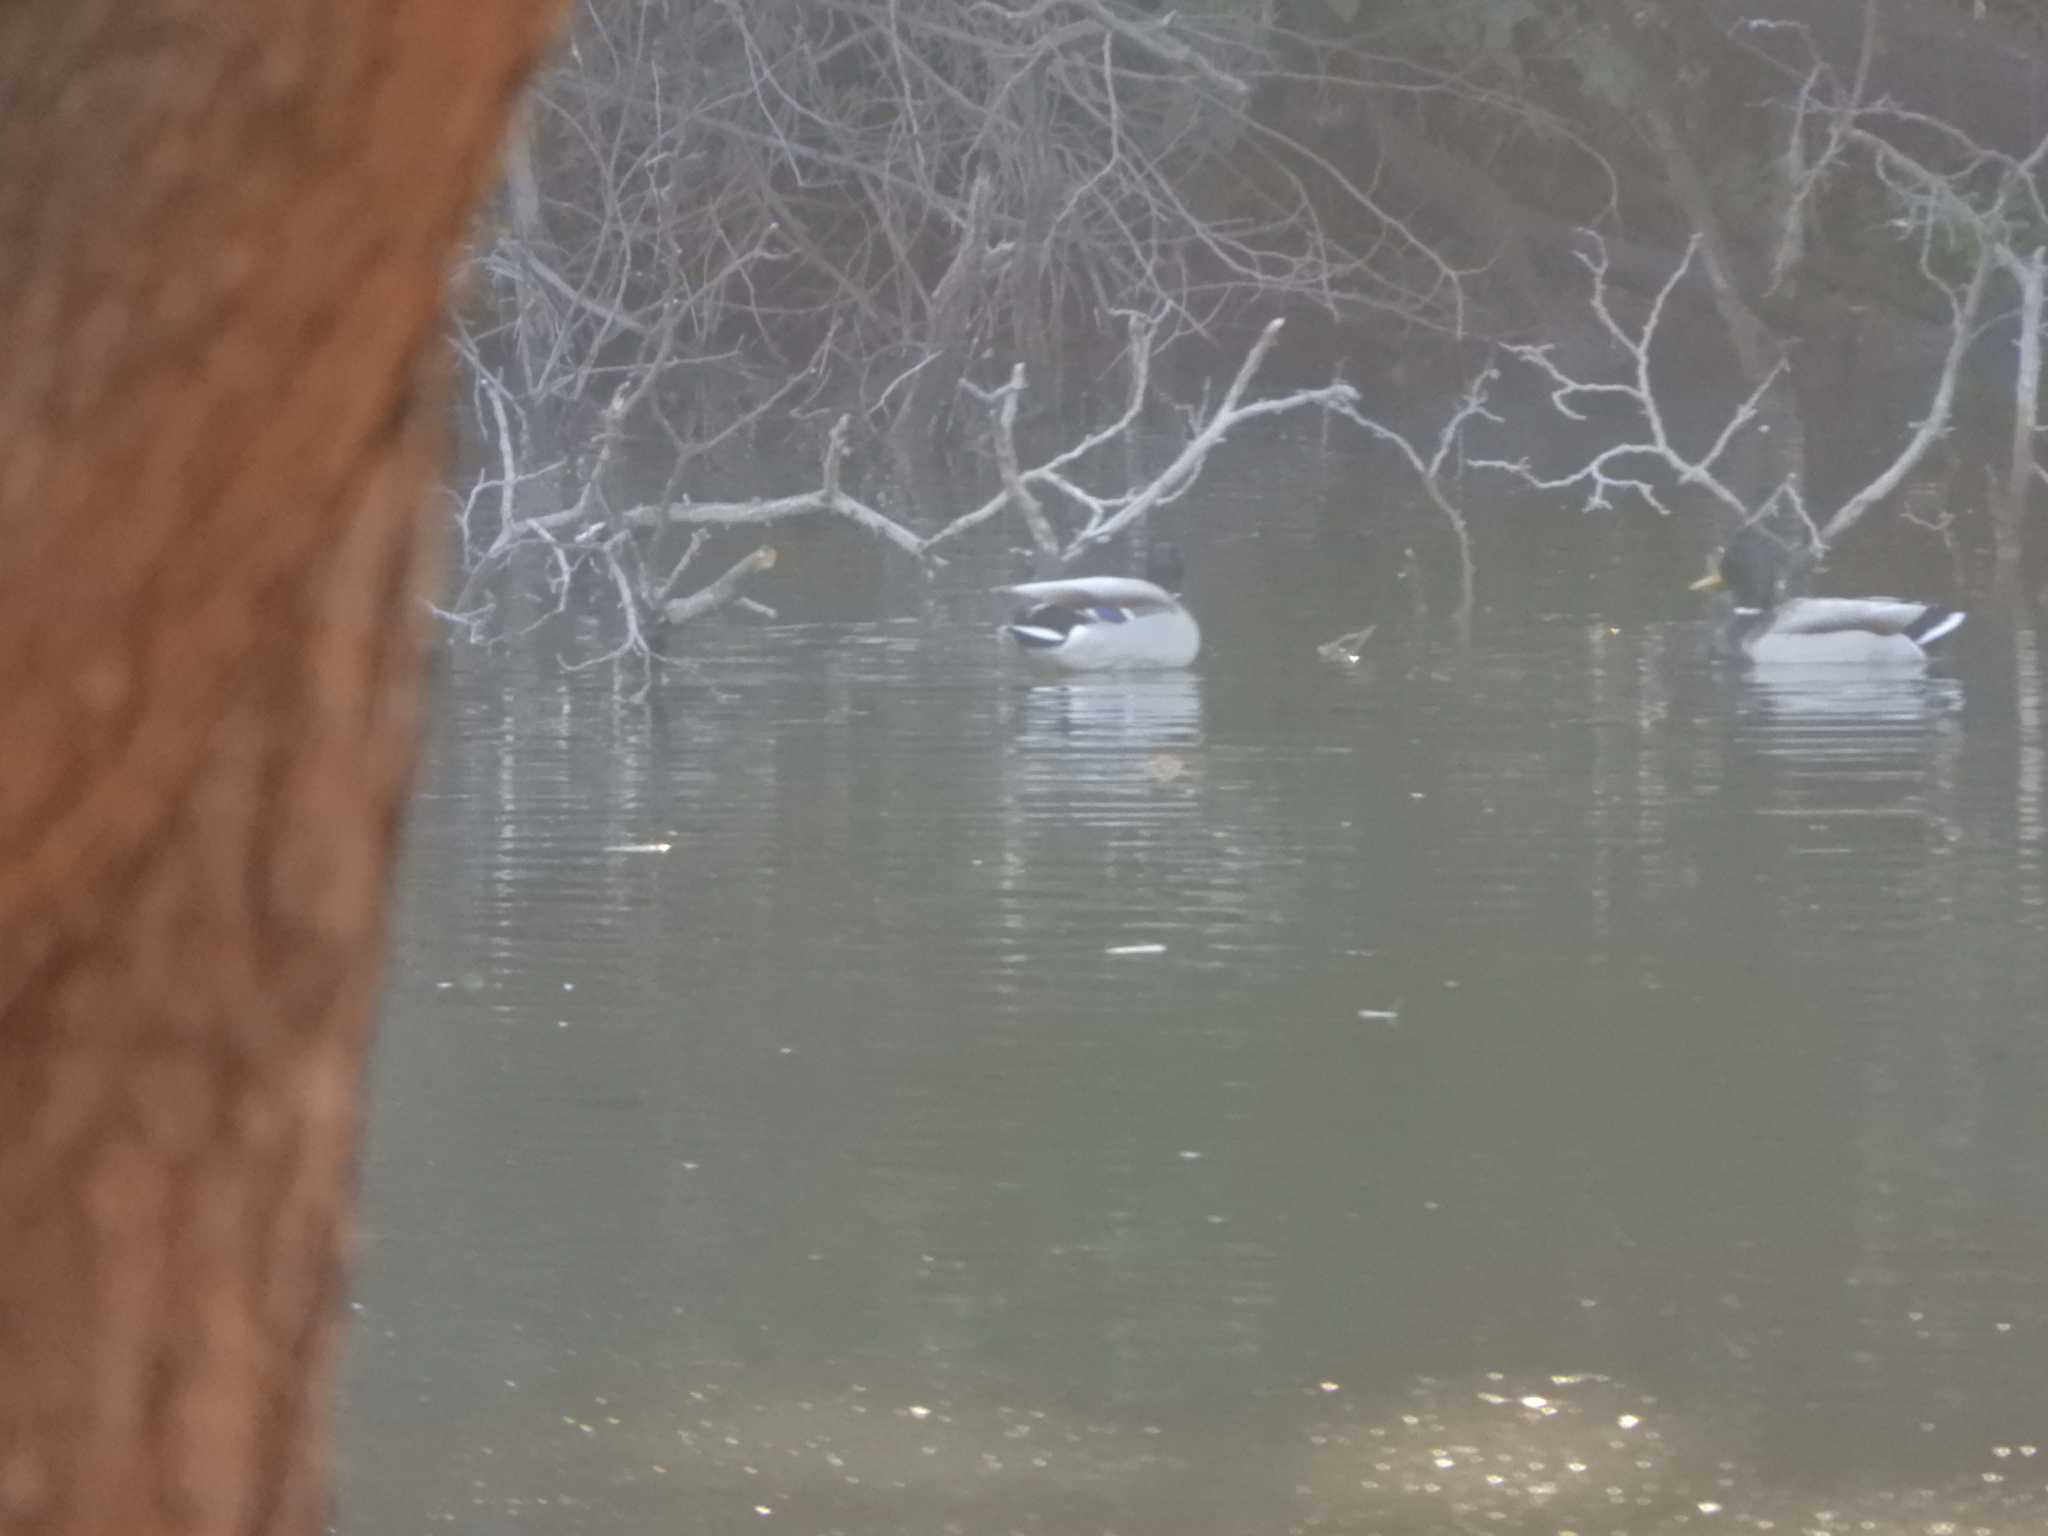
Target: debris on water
1347 650
1382 1015
639 847
1135 949
1166 767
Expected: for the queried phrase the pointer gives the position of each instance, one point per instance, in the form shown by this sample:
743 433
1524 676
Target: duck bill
1711 582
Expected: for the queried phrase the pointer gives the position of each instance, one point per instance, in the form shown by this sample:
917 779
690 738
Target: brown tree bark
224 229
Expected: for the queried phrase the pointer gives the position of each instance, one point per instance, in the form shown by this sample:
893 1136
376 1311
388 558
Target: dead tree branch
1656 445
1429 472
828 497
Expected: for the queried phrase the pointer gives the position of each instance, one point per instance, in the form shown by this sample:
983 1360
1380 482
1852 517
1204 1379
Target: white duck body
1103 624
1884 632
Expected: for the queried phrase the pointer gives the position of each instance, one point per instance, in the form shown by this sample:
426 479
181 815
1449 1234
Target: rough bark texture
224 227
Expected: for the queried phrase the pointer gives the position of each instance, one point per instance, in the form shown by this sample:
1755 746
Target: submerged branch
714 595
1429 472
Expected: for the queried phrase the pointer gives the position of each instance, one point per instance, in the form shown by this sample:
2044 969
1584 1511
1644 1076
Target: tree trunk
2031 275
224 229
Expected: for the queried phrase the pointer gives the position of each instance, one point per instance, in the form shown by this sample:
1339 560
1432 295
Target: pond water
1546 1084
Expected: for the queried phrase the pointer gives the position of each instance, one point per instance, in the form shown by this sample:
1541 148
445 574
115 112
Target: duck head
1748 569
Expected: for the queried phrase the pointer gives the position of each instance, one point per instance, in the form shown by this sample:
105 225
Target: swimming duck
1816 631
1107 623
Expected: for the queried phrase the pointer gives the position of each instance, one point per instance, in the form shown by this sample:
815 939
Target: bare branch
1112 517
714 595
1931 427
1472 406
1598 475
1004 403
828 497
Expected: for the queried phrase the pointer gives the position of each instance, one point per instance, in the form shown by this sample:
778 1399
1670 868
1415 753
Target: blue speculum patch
1109 615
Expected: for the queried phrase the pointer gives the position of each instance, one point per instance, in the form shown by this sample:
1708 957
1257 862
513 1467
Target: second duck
1811 631
1107 623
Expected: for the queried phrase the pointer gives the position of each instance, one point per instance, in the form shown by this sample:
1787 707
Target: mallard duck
1816 631
1107 623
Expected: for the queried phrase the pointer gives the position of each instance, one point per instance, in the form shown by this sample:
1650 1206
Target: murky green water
1546 1086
